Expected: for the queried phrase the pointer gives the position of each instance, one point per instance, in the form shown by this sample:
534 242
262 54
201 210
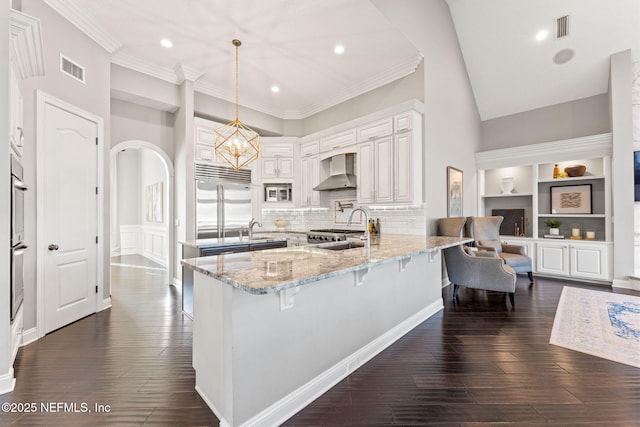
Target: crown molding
26 44
187 73
394 73
600 145
127 60
211 89
78 16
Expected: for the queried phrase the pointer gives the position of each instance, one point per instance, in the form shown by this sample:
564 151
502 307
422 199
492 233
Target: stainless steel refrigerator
222 208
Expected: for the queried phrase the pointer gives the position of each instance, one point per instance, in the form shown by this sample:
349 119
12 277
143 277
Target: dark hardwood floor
480 362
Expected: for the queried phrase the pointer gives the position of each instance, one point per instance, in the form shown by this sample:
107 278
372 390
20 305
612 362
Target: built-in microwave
277 193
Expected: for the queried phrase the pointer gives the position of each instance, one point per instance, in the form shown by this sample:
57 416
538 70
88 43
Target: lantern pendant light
236 143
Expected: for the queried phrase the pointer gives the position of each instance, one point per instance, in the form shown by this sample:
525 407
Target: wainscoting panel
150 241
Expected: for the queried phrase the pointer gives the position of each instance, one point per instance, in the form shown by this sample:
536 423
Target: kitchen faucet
365 237
251 224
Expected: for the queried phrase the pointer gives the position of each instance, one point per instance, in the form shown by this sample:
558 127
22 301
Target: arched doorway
142 203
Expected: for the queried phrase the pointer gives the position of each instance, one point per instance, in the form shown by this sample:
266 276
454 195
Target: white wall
620 86
451 119
131 121
405 89
137 168
582 117
6 370
59 36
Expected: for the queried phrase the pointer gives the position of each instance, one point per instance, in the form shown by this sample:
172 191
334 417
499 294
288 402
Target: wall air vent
562 27
72 69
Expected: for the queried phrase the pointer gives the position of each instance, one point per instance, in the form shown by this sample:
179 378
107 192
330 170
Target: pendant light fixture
236 143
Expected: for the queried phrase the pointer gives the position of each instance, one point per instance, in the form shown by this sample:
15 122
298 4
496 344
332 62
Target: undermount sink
340 246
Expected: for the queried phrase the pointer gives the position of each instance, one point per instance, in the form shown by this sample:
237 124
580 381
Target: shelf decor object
506 185
454 192
576 231
236 143
575 170
571 199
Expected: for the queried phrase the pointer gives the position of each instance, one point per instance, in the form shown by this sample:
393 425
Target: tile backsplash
393 219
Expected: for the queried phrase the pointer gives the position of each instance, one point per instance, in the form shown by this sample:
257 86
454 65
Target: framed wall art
154 202
571 199
454 192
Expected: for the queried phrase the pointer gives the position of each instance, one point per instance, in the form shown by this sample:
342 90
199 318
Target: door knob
53 247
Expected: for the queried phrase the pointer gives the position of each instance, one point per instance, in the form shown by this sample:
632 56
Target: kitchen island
275 329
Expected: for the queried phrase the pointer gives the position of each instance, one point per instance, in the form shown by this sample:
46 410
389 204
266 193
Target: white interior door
70 226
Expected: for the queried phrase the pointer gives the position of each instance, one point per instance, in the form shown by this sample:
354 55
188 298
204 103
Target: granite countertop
264 272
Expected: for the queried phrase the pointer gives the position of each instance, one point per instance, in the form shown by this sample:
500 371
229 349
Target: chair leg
455 291
530 274
512 299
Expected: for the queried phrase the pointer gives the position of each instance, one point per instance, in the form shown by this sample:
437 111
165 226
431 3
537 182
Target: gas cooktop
331 235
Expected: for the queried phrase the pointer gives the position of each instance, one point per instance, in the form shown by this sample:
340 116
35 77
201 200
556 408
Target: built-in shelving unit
582 204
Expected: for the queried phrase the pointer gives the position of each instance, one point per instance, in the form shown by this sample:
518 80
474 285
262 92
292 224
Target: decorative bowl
576 170
280 223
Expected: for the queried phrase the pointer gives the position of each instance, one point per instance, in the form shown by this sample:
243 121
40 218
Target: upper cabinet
341 142
26 61
16 134
390 161
277 160
309 174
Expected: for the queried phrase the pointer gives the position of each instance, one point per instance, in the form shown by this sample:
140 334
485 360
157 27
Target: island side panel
276 352
212 342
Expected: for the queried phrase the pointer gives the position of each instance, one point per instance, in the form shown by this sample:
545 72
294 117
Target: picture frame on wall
571 199
454 192
154 202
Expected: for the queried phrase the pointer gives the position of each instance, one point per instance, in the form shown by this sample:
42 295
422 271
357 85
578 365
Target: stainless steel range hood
341 175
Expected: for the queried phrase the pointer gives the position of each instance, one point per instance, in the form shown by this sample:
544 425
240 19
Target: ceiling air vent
71 68
562 27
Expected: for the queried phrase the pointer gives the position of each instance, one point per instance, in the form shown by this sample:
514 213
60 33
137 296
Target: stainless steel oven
17 278
17 202
18 248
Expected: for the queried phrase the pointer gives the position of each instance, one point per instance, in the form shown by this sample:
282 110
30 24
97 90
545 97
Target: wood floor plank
480 362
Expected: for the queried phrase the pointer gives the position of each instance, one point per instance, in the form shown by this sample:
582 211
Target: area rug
599 323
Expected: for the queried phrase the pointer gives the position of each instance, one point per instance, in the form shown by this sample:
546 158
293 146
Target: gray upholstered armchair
485 230
472 269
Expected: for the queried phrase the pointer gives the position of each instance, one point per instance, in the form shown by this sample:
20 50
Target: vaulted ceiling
290 44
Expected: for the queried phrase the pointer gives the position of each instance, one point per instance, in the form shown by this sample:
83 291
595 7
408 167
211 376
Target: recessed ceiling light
166 43
339 49
275 89
542 34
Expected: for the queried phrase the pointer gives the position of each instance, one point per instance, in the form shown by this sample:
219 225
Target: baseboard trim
106 303
29 336
629 283
7 382
291 404
223 422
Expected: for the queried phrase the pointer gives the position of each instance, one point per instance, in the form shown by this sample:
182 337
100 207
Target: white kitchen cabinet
403 122
589 260
16 135
390 168
375 130
276 160
309 178
339 142
404 175
375 171
204 138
